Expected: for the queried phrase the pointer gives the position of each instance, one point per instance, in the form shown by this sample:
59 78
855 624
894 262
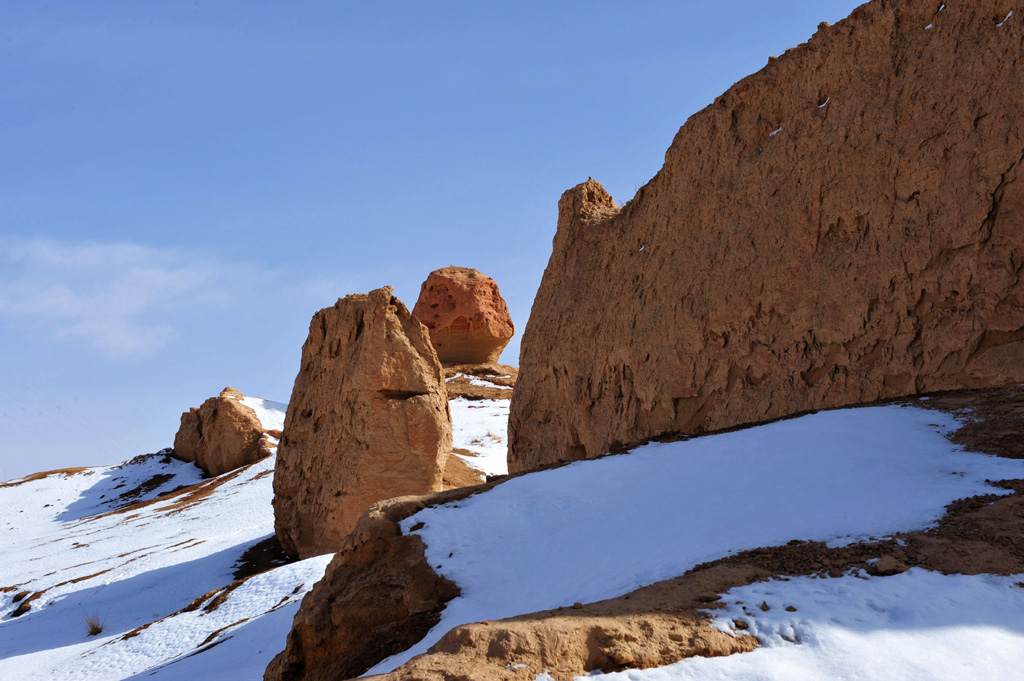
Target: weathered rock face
845 225
467 317
221 435
377 598
368 420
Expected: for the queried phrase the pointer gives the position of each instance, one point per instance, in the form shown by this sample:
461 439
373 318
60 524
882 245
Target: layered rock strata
468 319
843 226
221 435
368 420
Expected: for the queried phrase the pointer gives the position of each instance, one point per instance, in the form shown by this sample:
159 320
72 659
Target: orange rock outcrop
368 420
221 435
468 319
843 226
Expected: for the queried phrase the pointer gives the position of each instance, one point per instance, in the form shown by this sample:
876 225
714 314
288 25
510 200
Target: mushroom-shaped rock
466 315
368 420
221 435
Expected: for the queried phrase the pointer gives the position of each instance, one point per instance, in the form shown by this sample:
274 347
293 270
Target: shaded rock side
844 225
221 435
377 598
368 420
468 319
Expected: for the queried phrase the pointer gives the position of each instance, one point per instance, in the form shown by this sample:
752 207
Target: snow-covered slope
150 549
112 544
158 567
598 529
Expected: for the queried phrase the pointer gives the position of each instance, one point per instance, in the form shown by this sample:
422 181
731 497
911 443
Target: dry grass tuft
94 624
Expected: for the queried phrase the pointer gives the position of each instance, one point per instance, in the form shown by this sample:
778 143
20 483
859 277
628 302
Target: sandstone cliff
468 319
221 435
368 420
844 225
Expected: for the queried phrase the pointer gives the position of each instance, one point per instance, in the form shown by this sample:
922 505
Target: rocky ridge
841 227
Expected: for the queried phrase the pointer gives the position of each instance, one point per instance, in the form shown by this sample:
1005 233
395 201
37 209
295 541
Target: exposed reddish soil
457 381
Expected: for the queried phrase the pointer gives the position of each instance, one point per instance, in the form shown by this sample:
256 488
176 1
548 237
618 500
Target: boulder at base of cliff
221 435
377 598
468 319
843 226
368 420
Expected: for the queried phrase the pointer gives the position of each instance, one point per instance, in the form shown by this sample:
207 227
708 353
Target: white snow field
141 567
481 427
135 568
598 529
588 531
917 625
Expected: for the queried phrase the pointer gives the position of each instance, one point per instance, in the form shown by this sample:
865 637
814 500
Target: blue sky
183 185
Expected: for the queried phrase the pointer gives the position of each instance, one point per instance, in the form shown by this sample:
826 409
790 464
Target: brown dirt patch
502 376
258 558
66 472
185 496
992 418
144 487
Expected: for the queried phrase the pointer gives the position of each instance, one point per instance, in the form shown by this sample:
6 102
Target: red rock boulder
368 420
466 315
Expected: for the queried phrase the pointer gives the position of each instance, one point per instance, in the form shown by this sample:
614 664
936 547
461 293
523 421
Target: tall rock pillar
368 420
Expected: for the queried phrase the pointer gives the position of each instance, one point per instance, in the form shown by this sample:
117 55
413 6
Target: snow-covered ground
598 529
917 625
136 570
585 532
481 427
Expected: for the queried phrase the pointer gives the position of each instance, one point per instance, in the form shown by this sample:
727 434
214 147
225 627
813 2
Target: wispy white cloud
122 298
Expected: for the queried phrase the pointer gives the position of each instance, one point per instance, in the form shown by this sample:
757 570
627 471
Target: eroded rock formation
667 621
377 598
845 225
368 420
221 435
466 315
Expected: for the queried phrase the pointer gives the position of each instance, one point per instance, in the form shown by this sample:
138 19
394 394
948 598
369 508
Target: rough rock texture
843 226
377 598
368 420
221 435
467 317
